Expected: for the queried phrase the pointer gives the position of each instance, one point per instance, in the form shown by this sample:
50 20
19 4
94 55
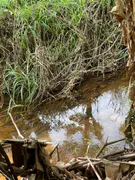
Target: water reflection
90 122
110 110
74 126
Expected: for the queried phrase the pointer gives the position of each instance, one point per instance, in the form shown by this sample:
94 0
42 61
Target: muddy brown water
80 125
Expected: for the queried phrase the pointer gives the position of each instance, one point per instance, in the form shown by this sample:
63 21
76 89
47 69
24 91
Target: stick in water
18 131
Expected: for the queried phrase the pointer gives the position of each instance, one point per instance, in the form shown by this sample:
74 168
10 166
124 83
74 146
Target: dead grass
47 47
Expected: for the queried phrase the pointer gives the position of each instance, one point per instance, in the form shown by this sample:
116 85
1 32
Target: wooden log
113 154
25 141
127 156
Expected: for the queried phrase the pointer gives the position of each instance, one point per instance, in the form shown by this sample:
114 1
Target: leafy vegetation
48 45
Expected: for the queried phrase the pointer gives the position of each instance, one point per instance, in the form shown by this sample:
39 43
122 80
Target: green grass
20 84
48 46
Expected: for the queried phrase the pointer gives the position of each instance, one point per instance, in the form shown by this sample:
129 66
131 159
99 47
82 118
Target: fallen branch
51 153
113 154
58 155
94 169
24 141
108 143
10 108
127 156
18 131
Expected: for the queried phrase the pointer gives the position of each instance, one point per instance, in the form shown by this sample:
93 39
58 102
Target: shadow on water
77 124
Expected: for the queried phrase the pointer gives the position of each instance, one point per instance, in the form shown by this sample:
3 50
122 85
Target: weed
21 86
51 44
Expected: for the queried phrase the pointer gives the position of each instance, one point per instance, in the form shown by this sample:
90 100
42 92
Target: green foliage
5 6
21 85
105 3
40 24
46 20
51 44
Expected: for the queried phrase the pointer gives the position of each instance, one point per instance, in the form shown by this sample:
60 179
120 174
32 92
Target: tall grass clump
48 46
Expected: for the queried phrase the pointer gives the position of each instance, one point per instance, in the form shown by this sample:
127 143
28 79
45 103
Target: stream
81 125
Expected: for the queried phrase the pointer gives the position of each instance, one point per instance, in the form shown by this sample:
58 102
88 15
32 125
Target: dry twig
108 143
94 169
